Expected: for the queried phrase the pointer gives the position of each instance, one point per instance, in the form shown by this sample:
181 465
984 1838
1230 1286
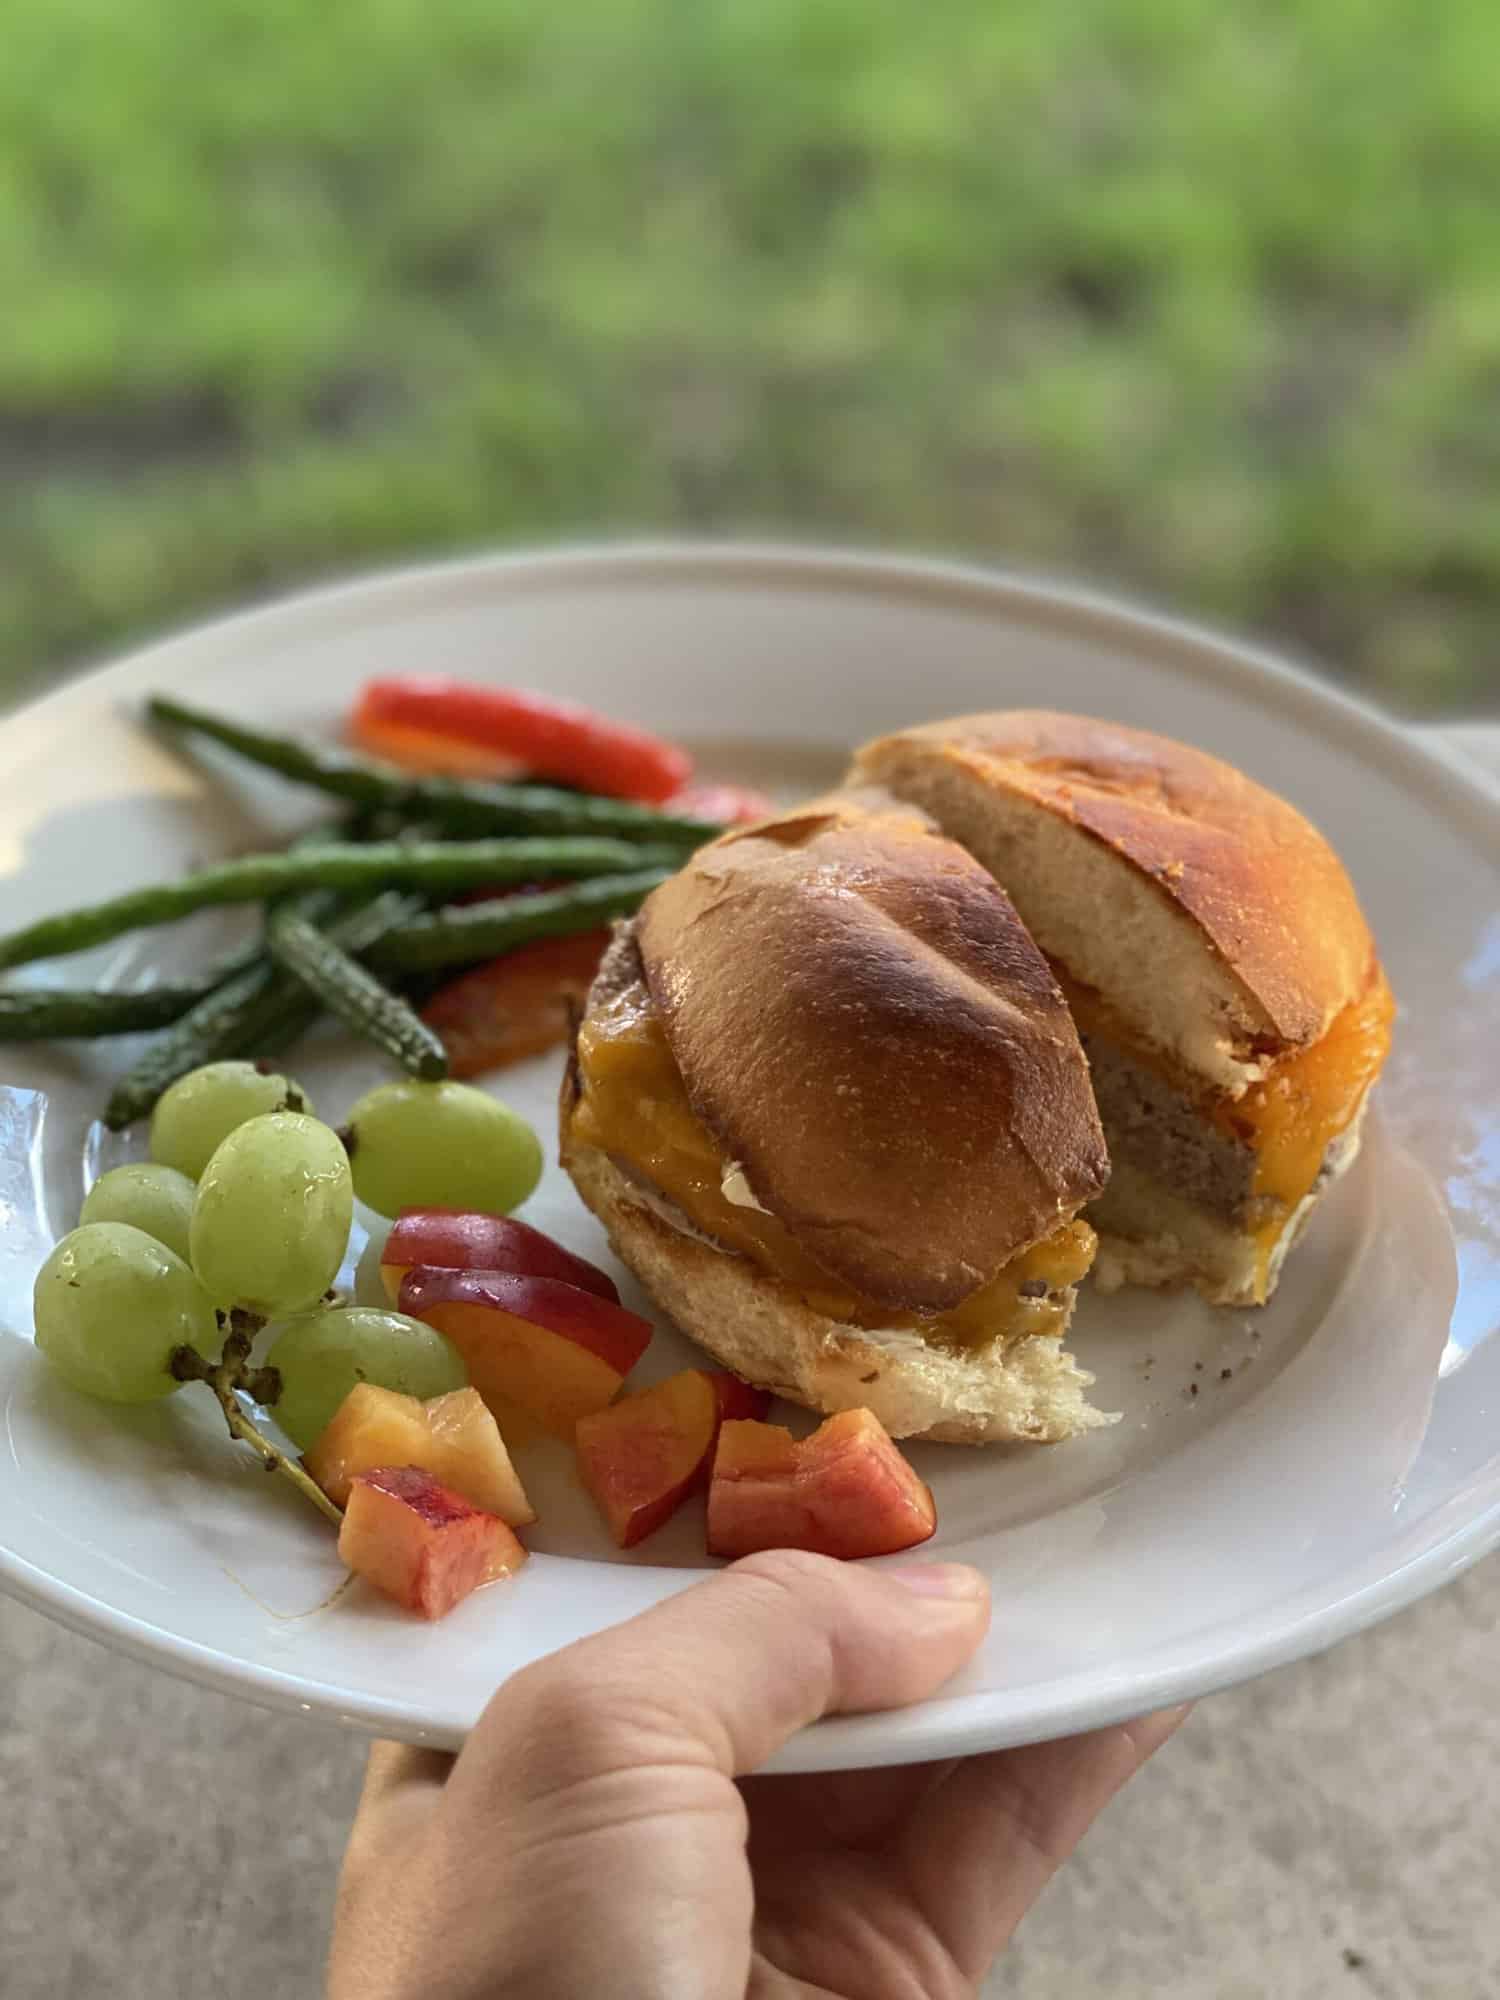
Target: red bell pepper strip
726 805
517 1005
428 755
560 740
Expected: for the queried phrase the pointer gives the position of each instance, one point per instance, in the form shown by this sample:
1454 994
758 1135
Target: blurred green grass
1200 298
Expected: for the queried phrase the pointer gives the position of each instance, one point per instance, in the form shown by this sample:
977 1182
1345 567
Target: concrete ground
1333 1829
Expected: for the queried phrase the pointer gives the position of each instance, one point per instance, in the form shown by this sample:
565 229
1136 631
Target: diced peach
845 1491
453 1437
736 1398
454 1239
534 1344
370 1428
469 1455
755 1450
643 1456
421 1543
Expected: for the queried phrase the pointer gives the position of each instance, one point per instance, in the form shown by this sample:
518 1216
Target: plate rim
1055 600
954 1724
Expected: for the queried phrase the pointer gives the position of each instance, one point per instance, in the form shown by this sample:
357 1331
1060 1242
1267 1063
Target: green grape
158 1200
111 1304
440 1145
271 1221
193 1118
323 1356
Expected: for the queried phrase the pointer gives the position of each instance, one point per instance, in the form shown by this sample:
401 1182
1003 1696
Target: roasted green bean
456 805
484 930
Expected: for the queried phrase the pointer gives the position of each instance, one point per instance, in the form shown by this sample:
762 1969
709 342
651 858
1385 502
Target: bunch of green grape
247 1202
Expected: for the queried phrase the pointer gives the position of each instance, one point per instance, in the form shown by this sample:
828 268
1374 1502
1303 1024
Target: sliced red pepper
725 805
427 754
408 717
516 1006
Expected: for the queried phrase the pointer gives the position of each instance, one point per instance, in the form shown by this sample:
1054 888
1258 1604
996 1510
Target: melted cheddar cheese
1308 1100
633 1105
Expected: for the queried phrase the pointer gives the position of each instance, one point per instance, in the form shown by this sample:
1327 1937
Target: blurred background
1197 299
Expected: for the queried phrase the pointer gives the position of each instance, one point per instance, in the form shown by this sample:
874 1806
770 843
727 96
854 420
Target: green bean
254 877
196 1038
355 996
457 805
86 1013
363 928
287 1010
261 1011
484 930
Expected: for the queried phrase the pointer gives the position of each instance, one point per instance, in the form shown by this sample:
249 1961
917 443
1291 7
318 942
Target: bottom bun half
1029 1391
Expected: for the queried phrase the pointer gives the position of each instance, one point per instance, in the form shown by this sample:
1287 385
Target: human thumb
726 1671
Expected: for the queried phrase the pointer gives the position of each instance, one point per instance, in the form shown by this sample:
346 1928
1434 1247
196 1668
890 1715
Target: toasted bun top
1258 882
863 1023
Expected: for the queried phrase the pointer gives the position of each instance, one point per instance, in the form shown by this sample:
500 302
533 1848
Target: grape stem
226 1378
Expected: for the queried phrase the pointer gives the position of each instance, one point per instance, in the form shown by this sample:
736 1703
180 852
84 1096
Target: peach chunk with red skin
468 1240
539 1345
737 1398
454 1437
643 1456
421 1543
845 1491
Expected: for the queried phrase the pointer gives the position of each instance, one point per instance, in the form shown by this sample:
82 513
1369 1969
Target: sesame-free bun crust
861 1020
1213 917
1031 1391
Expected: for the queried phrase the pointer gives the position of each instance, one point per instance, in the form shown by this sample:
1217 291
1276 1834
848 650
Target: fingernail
955 1581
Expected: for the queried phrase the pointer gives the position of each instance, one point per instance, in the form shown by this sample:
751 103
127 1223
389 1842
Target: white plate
1342 1451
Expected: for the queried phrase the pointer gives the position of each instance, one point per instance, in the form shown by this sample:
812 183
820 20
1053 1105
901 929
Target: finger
396 1804
402 1785
982 1845
399 1772
722 1674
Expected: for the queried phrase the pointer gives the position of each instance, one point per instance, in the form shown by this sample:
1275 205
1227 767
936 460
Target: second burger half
1217 962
